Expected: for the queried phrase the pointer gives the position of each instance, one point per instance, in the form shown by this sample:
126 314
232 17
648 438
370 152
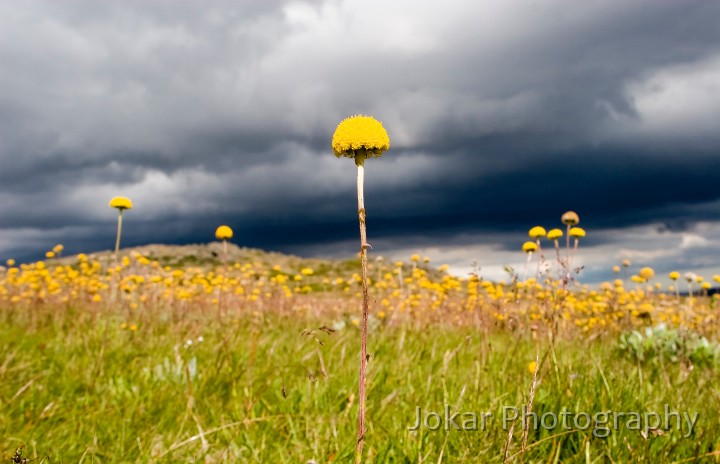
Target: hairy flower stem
117 239
359 162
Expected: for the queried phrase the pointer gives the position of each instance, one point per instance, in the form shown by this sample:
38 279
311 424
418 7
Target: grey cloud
502 115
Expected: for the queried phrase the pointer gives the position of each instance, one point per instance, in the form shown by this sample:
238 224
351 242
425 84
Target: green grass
258 390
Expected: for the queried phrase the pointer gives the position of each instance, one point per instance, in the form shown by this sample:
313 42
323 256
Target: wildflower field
220 354
223 354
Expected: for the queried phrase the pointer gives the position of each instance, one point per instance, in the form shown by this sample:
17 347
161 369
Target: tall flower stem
359 162
567 253
541 258
225 254
527 263
119 232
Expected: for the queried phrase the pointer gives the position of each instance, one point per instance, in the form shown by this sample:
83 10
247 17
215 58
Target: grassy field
121 374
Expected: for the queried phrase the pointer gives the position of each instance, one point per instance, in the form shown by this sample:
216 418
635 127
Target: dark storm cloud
502 115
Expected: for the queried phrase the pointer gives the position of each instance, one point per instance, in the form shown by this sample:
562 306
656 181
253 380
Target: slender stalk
119 231
559 258
567 254
572 256
527 263
541 258
225 254
359 162
567 242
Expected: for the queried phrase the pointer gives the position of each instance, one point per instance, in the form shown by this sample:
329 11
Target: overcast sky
502 115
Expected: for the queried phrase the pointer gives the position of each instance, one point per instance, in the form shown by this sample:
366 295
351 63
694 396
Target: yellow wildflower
531 366
647 273
570 218
223 233
554 234
121 203
358 133
537 232
529 247
577 232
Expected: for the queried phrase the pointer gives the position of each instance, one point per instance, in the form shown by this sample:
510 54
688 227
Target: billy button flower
529 248
647 273
577 233
532 367
674 276
361 137
224 233
554 235
537 233
705 287
58 249
570 219
121 204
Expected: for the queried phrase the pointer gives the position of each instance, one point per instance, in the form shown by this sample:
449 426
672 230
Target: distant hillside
211 255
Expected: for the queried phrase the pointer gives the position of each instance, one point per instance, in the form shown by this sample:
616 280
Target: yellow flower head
537 232
674 275
554 234
647 273
626 262
616 269
529 247
121 203
10 262
223 233
577 232
570 218
50 254
357 133
531 366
